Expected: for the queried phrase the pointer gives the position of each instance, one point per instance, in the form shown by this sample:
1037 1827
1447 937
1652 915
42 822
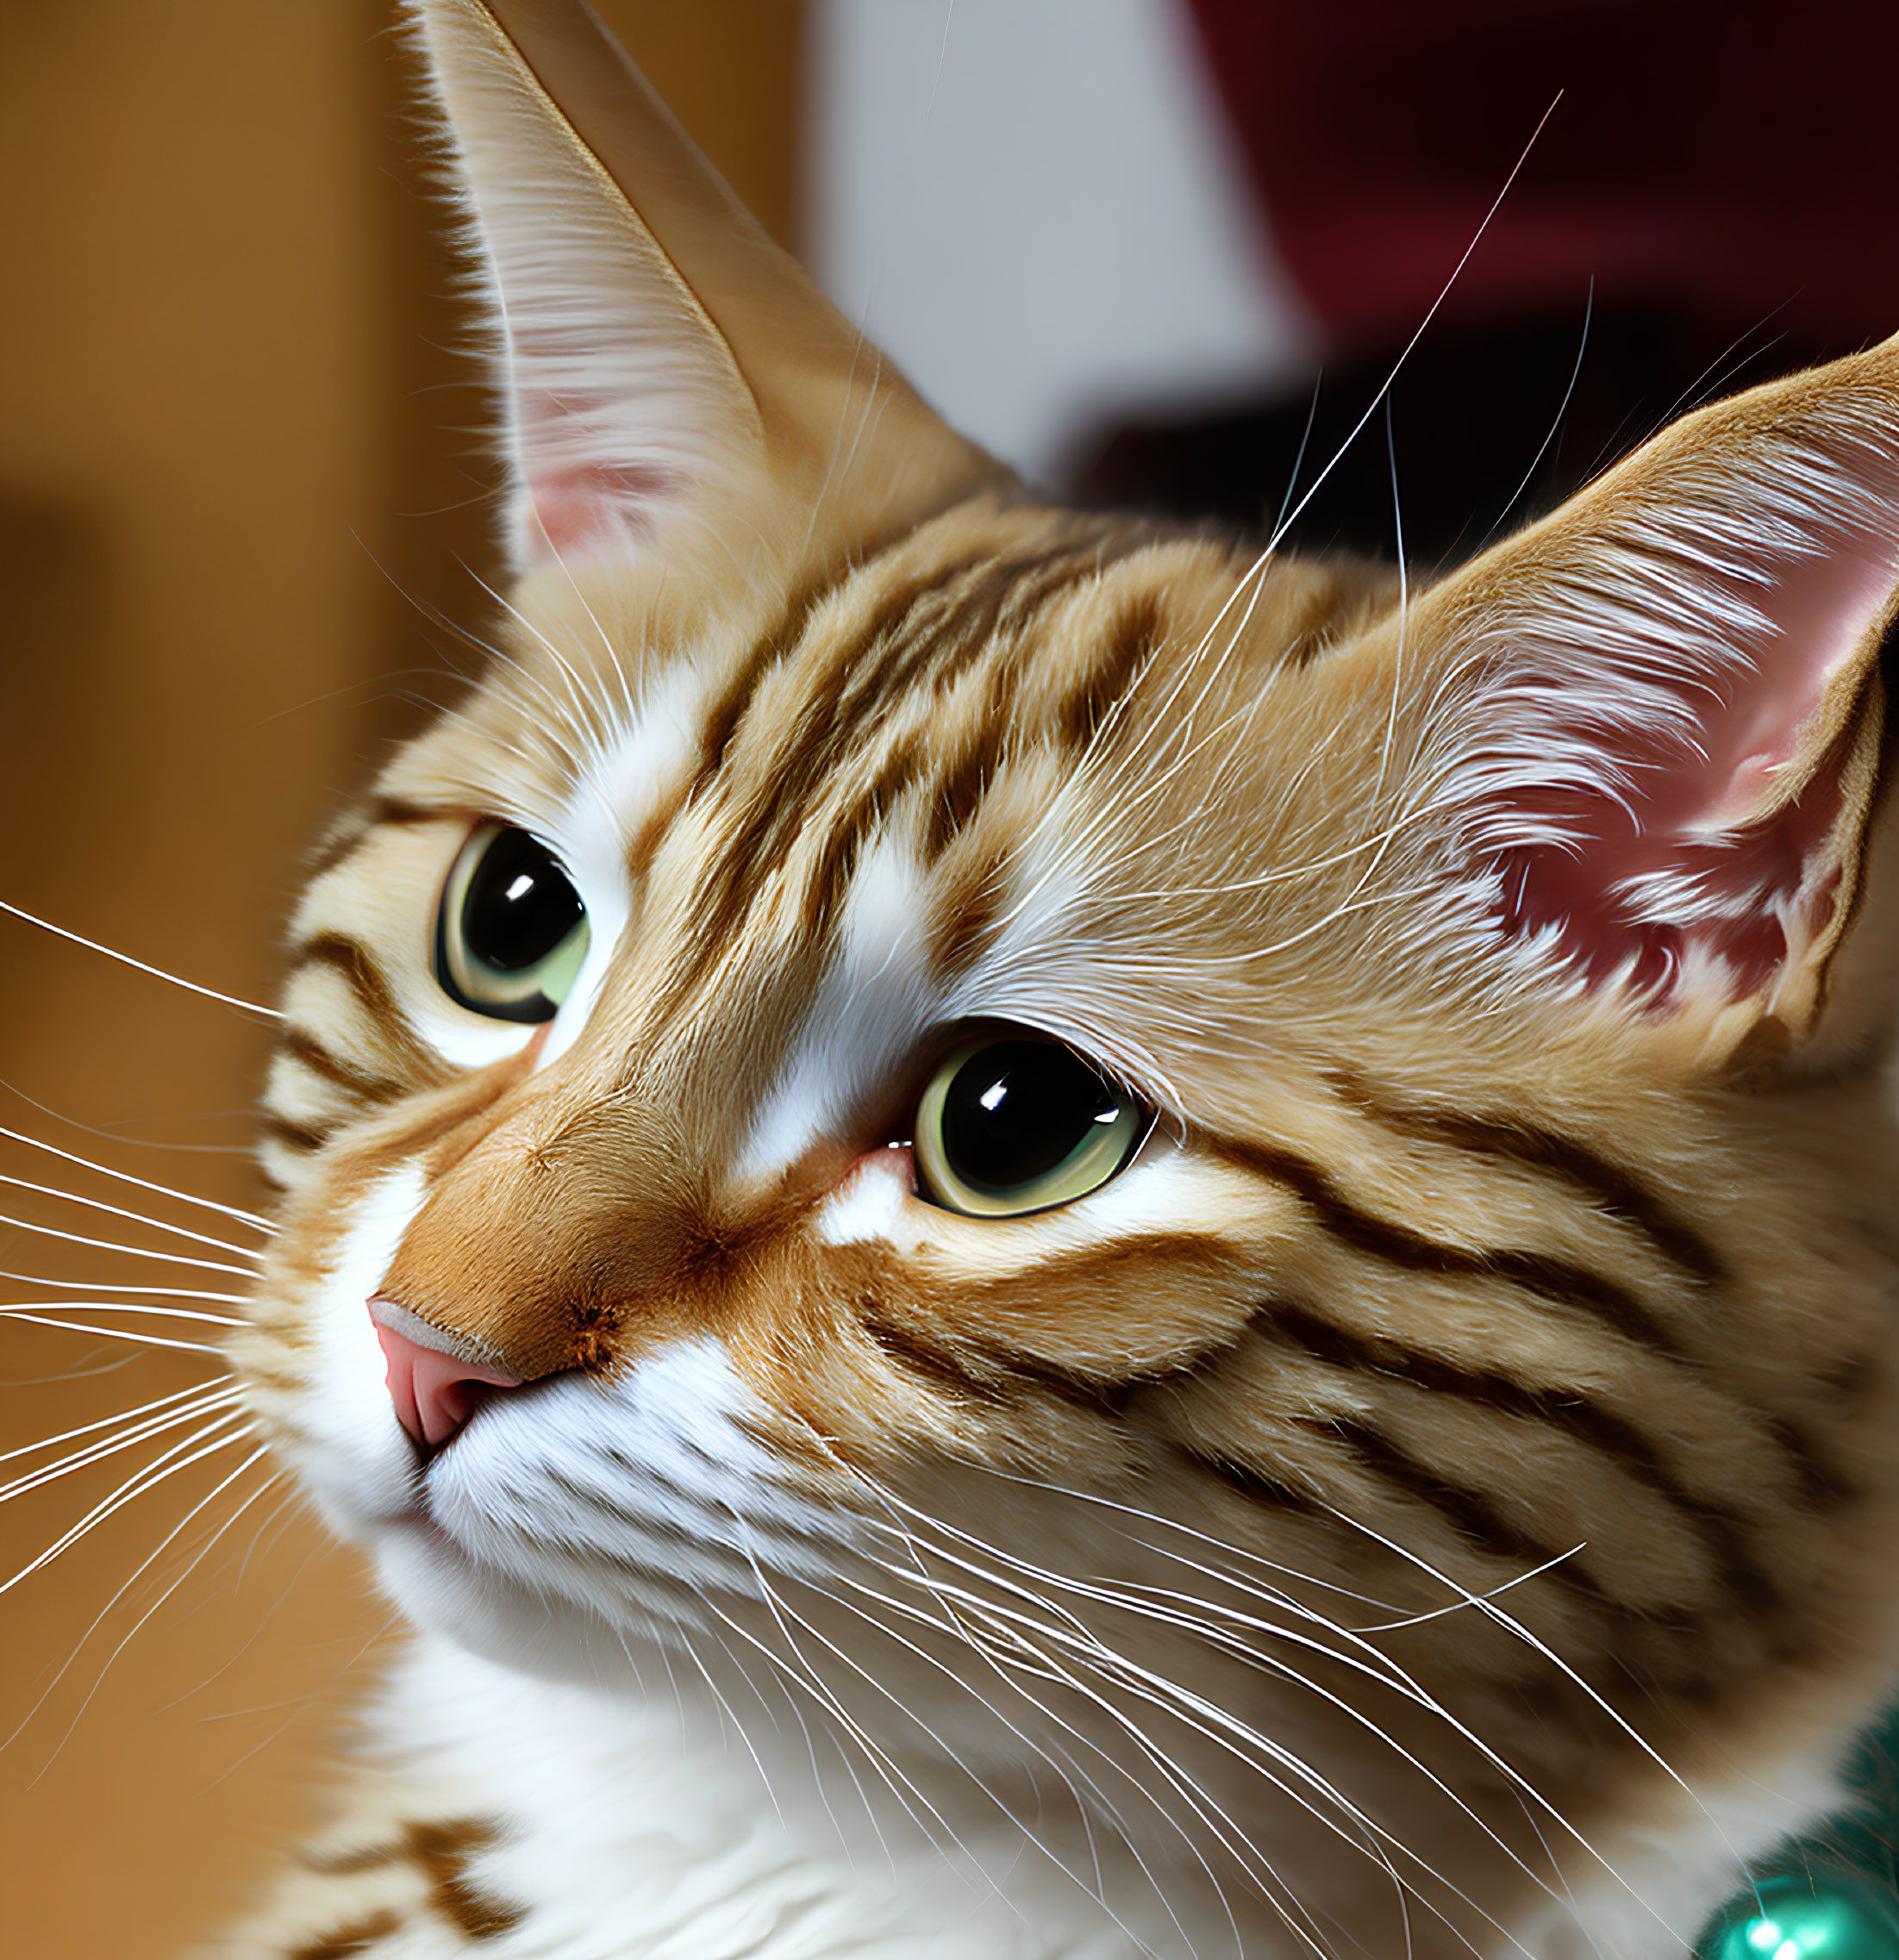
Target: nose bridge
577 1213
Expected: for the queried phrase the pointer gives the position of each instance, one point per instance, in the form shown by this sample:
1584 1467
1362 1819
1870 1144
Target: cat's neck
634 1819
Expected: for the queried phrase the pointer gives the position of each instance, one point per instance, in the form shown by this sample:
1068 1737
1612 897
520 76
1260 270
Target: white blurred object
1035 206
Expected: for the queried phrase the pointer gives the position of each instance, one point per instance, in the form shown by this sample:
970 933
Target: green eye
1012 1123
510 931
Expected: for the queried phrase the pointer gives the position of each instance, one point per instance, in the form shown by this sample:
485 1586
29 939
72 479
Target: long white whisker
1347 907
1180 729
158 1552
560 713
1067 1771
606 646
1227 1833
825 1706
168 1465
235 1212
1012 1658
1555 428
1404 353
916 1571
797 1672
131 1251
1287 520
1487 1606
1465 1605
198 1558
781 1608
1248 1746
1299 456
1161 715
744 1734
113 1333
138 965
155 1425
776 1677
149 1292
120 1138
1098 1501
135 1217
102 1422
1227 1732
594 731
1192 1615
1253 575
1283 874
1084 1644
162 1313
1404 625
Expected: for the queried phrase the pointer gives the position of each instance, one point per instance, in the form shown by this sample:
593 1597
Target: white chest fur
654 1829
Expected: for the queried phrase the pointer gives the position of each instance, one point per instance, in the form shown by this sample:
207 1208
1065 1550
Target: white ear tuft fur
1659 731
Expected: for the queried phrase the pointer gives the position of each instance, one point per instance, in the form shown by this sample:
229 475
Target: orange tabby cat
1027 1236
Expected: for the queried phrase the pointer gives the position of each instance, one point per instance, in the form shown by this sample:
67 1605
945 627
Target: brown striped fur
1449 1275
1559 1298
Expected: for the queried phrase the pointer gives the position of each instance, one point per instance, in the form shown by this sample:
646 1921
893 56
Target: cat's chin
448 1592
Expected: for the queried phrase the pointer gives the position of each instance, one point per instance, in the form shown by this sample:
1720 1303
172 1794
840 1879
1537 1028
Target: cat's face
942 825
1114 1127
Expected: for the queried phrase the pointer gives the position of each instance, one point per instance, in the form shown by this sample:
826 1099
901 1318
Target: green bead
1825 1916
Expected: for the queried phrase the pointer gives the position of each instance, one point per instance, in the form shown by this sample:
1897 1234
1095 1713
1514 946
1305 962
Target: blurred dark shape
1713 191
1486 430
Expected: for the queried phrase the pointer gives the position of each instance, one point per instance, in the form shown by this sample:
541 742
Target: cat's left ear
666 370
1655 724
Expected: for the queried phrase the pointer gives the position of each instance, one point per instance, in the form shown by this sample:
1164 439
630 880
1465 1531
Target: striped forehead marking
795 757
886 990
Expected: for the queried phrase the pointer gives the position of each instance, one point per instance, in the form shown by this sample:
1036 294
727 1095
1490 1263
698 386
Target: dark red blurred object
1711 203
1730 161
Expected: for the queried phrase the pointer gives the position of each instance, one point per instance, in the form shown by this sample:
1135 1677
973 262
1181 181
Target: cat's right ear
667 370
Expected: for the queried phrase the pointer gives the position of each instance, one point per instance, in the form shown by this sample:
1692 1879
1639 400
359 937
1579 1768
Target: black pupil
519 905
1017 1110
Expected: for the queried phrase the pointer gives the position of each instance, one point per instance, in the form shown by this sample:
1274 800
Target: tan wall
232 490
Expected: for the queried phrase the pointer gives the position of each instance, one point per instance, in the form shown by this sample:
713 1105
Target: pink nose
434 1392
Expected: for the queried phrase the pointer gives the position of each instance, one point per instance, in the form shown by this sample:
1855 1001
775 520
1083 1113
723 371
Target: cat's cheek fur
343 1436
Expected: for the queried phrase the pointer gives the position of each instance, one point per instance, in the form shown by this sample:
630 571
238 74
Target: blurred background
1150 250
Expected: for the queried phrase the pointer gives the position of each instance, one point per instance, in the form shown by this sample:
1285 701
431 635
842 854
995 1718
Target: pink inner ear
1824 608
592 507
597 467
1665 862
1739 893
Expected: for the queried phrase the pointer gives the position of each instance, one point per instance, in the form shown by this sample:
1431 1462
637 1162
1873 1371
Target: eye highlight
1016 1123
510 931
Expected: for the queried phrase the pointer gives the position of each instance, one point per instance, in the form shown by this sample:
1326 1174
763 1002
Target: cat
1022 1234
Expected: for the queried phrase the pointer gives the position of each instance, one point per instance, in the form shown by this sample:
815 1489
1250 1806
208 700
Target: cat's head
900 1031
